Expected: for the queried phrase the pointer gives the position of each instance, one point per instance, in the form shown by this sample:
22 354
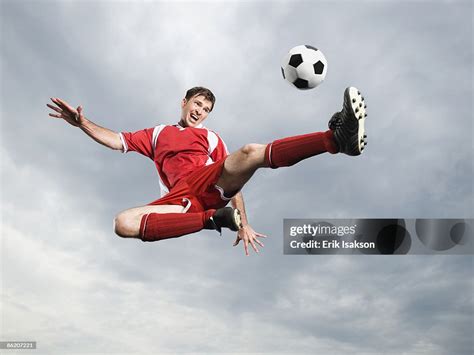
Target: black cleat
226 217
348 124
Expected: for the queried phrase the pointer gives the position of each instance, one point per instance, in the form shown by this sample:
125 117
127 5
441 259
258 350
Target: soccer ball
304 67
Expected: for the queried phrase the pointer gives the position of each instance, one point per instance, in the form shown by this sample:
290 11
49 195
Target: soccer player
197 175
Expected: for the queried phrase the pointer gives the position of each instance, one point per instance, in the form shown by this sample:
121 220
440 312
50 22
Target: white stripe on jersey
209 161
163 189
212 140
156 132
124 144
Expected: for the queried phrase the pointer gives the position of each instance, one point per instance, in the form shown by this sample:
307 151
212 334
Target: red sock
157 226
291 150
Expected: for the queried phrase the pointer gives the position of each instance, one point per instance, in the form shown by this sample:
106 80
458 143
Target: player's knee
119 223
253 151
124 226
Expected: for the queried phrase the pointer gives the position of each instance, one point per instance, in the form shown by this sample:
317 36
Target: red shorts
198 189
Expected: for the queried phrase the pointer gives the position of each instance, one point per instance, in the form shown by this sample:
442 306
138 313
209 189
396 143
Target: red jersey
177 151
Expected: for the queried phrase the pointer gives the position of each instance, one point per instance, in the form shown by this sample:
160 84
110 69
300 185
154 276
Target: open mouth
194 118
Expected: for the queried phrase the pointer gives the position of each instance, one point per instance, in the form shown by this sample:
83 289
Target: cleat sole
359 112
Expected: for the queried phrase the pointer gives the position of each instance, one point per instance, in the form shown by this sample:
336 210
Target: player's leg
127 223
157 222
346 135
242 164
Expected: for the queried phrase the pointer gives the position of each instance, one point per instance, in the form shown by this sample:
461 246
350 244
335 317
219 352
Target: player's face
194 110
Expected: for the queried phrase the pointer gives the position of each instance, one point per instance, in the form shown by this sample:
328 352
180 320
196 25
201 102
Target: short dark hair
198 91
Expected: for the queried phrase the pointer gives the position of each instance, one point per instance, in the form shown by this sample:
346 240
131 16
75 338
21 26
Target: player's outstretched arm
75 117
246 233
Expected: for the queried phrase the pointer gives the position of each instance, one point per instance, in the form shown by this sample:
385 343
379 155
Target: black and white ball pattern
304 66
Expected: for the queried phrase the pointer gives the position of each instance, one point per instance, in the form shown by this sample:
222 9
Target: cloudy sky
74 287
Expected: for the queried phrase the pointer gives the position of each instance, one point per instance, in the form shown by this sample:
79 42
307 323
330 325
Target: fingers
55 101
237 241
253 245
59 105
259 243
59 111
259 235
79 115
63 104
249 239
54 108
246 247
249 236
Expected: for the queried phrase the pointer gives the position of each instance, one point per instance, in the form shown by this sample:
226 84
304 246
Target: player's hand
66 112
249 236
